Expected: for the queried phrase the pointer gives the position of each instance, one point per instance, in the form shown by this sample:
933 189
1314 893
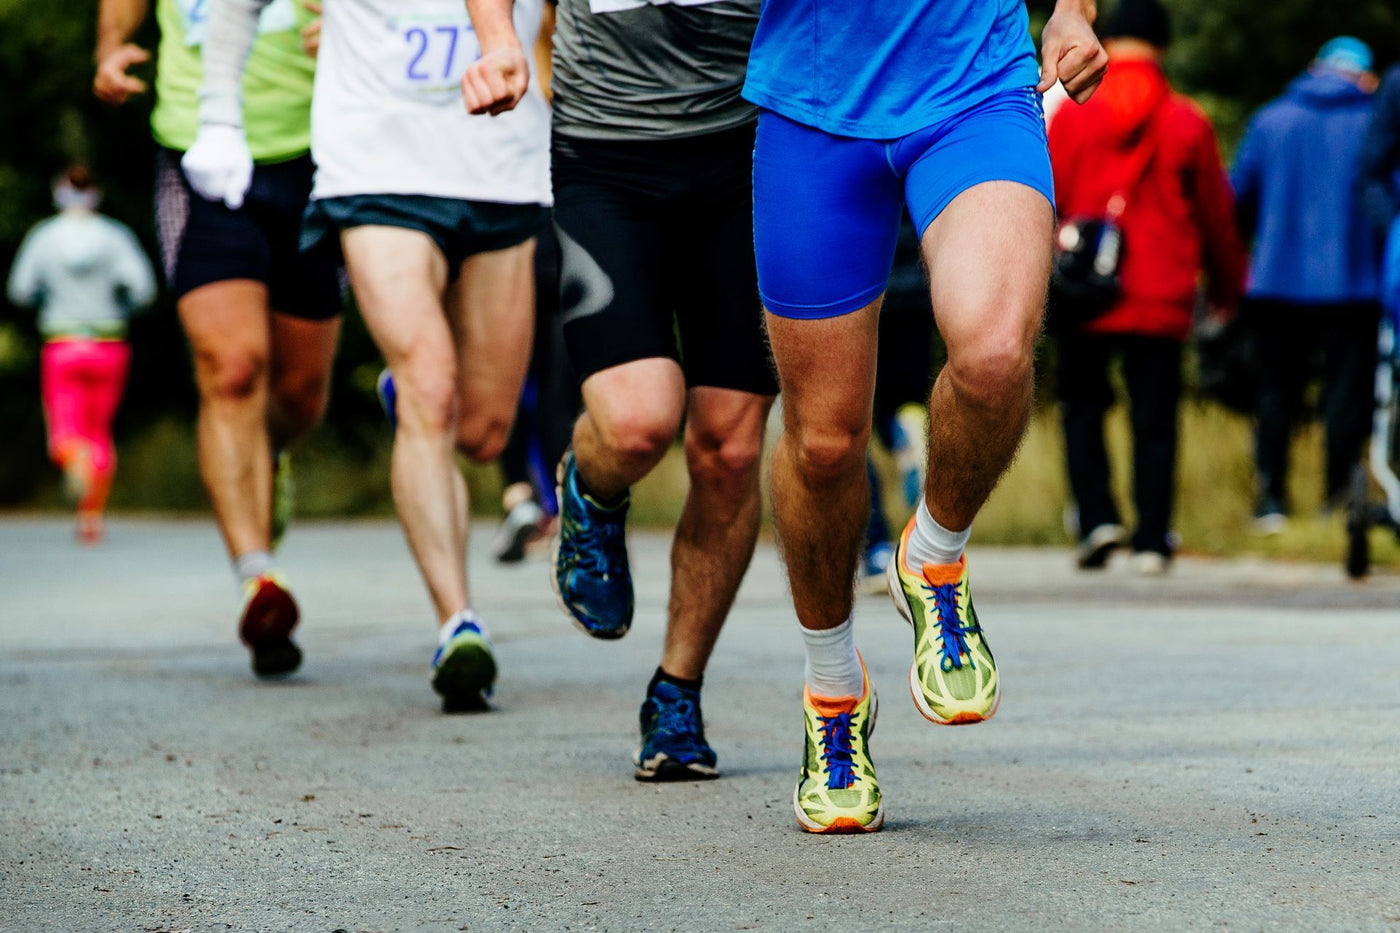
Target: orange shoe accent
830 706
935 574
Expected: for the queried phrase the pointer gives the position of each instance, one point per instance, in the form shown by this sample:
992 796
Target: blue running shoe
464 668
591 577
673 737
388 397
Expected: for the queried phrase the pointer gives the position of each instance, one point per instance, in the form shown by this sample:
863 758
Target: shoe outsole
663 768
601 634
266 628
916 691
842 825
463 679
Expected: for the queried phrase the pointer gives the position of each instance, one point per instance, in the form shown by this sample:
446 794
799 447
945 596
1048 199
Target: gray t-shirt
653 72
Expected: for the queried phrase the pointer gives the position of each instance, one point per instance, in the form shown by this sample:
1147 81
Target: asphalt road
1220 749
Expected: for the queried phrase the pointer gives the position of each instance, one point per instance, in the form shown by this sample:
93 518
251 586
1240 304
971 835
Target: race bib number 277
431 55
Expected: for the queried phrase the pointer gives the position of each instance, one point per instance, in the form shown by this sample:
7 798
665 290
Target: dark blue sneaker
673 737
591 577
388 396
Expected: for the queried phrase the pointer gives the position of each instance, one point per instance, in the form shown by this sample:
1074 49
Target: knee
231 374
426 399
638 433
996 370
717 461
482 437
302 398
832 452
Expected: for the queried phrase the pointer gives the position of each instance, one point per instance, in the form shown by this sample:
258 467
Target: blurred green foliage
1230 54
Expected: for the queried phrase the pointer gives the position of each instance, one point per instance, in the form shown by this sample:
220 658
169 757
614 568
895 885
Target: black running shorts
203 241
656 246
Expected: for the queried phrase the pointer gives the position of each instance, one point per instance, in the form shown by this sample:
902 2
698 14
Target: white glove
218 165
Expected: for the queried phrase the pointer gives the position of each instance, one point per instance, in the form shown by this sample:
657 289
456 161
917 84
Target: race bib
429 54
618 6
277 16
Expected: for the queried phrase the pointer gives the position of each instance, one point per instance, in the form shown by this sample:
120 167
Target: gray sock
251 564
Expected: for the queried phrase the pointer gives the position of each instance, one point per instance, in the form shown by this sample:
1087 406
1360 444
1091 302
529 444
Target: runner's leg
302 353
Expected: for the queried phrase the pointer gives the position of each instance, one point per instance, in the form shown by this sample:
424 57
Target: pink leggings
82 382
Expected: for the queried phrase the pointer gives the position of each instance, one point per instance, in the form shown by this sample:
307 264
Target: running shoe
265 625
673 746
910 435
591 577
953 679
837 791
283 497
520 527
1098 546
388 397
874 567
463 667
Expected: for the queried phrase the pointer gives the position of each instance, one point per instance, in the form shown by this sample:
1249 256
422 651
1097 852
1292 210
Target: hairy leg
399 277
821 500
302 354
718 529
987 280
227 326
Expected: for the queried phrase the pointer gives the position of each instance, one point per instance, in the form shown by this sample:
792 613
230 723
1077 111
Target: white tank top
387 115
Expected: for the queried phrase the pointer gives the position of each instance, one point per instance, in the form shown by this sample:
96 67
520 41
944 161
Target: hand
111 83
219 165
497 81
311 32
1070 53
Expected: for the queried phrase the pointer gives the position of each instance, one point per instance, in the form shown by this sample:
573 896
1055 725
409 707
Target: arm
1380 157
218 164
497 81
132 270
26 287
1222 253
1070 52
117 22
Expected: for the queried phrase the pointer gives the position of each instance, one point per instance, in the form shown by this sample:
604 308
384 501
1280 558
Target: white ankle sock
931 543
833 667
457 618
251 564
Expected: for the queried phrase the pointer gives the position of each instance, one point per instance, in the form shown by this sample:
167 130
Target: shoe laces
596 545
677 717
951 632
837 752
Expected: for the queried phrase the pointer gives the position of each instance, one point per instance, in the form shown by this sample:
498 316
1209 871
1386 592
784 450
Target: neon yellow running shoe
837 791
953 679
283 497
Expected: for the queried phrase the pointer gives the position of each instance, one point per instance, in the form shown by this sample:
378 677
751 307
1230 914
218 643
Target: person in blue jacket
1380 183
1313 281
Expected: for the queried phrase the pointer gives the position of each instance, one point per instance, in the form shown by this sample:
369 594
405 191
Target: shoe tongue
831 706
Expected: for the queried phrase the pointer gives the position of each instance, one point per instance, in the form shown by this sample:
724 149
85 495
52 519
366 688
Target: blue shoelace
837 751
952 632
678 718
595 545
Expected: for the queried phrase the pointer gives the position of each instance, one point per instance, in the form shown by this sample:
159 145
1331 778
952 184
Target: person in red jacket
1176 221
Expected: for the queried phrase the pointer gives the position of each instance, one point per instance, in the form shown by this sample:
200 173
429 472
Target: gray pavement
1220 749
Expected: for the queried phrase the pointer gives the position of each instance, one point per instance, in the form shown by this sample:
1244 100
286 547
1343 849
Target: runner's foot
521 526
463 667
591 575
673 746
266 623
837 791
953 679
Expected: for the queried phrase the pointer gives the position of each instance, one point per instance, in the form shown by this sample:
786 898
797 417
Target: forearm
492 21
233 27
117 22
1089 9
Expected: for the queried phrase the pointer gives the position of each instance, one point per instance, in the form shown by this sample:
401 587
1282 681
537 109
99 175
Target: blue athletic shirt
889 68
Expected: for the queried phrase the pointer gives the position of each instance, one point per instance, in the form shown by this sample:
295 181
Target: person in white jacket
87 274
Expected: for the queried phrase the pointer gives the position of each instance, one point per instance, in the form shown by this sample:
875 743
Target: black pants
1152 371
1291 337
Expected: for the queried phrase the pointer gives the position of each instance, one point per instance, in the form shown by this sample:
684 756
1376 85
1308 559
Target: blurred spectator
86 274
1313 283
1141 152
1380 157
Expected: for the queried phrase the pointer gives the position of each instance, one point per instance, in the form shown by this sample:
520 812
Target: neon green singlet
276 84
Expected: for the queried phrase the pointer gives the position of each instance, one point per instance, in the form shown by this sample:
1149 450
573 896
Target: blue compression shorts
827 208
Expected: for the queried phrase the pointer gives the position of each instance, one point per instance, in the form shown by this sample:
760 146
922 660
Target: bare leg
821 500
302 354
632 413
719 526
399 278
227 325
988 287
